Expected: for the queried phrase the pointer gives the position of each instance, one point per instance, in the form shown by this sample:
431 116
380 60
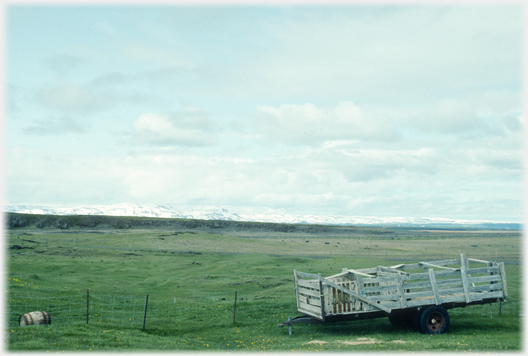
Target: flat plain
192 275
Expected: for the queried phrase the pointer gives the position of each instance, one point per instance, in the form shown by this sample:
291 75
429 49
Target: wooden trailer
416 294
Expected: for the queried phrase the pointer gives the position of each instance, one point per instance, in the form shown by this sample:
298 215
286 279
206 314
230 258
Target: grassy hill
192 271
64 222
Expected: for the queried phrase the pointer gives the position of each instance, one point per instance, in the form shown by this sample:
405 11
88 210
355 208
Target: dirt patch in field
317 342
361 341
398 342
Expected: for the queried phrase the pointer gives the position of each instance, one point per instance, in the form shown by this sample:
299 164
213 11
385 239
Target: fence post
234 309
145 315
87 304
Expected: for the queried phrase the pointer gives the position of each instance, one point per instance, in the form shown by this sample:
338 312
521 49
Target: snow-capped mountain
243 214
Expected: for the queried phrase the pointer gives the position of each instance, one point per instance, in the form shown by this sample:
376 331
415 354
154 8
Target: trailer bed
398 290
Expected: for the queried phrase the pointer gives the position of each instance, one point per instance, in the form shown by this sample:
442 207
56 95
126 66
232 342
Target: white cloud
54 126
512 123
338 180
62 178
159 130
397 55
390 109
69 97
308 124
155 56
63 64
448 117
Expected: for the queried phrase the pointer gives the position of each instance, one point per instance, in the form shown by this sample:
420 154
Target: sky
385 110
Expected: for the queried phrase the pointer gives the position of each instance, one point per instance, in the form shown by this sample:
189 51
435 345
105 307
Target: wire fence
80 307
126 311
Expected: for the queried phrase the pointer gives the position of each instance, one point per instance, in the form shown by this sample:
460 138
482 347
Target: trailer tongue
416 294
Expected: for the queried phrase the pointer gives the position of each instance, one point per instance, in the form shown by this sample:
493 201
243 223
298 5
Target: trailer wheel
434 320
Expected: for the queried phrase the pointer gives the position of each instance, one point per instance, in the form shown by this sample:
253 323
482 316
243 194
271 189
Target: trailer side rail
399 287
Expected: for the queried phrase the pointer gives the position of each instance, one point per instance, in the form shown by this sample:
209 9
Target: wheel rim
435 322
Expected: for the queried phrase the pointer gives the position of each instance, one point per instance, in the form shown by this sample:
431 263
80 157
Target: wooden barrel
35 318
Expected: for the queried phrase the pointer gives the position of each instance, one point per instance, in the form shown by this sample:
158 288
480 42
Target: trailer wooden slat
486 288
401 293
309 306
460 298
433 286
503 275
438 263
435 265
392 270
353 271
465 283
310 310
438 274
363 299
450 291
478 261
296 287
311 301
494 269
421 302
308 284
320 278
368 271
397 266
306 275
313 293
374 292
447 273
482 279
376 298
359 288
314 302
379 289
439 283
419 295
484 295
449 282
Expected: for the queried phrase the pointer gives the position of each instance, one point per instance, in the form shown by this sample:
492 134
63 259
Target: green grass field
191 280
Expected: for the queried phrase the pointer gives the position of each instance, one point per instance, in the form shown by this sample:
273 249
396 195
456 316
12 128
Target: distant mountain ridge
249 215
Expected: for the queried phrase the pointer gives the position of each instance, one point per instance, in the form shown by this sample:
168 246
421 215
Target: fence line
114 309
108 309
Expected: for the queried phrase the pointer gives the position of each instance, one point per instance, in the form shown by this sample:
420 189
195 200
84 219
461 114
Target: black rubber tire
434 320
